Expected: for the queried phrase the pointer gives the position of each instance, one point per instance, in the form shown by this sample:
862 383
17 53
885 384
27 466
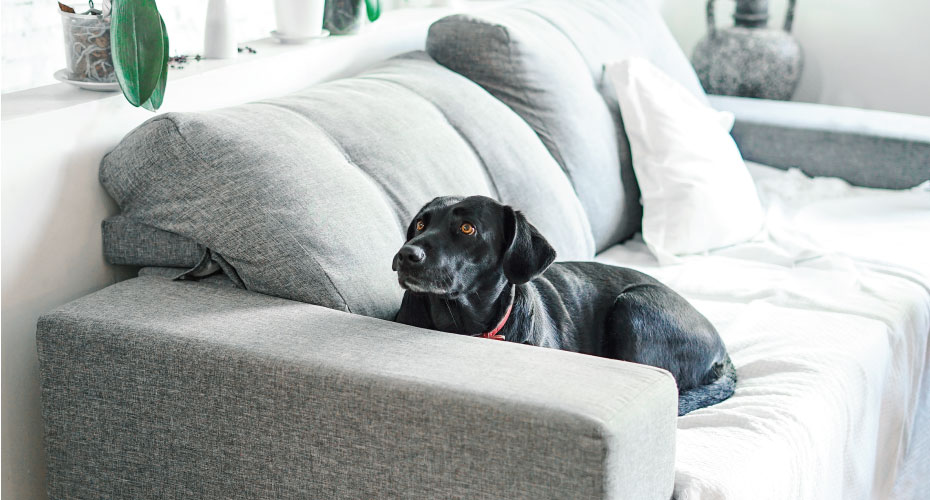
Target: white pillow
696 191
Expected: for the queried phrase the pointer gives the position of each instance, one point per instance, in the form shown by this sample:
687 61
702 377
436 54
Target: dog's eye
420 225
468 229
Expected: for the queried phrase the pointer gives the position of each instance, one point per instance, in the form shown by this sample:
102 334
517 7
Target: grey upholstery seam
384 194
283 226
556 154
484 163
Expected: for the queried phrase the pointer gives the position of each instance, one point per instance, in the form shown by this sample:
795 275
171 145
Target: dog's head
455 245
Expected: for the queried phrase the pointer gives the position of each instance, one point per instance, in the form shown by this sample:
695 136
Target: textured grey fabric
308 196
545 60
129 243
867 148
154 388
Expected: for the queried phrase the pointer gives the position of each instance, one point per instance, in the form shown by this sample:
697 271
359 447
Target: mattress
826 315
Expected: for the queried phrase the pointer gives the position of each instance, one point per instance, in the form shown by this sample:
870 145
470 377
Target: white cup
299 17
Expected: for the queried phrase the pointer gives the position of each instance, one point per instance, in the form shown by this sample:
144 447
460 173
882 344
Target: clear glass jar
87 47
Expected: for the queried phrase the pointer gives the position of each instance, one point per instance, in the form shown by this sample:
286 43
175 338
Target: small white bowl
281 37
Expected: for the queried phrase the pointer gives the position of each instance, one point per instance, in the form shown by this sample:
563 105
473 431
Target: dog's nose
411 254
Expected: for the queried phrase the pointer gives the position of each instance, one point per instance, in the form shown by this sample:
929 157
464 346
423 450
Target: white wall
864 53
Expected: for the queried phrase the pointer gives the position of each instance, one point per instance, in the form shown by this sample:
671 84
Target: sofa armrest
161 389
866 148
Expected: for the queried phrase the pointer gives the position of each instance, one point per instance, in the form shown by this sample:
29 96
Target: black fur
462 283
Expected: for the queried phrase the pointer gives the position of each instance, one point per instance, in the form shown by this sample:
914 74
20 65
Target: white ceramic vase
299 18
219 40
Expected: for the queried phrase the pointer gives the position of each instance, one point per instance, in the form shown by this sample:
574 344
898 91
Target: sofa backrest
308 196
545 60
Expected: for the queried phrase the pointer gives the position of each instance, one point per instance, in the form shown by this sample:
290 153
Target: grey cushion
545 60
129 243
308 196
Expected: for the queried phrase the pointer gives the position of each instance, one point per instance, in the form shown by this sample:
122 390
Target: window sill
275 68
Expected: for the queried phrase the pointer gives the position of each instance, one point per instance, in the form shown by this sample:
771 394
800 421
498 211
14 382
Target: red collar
494 334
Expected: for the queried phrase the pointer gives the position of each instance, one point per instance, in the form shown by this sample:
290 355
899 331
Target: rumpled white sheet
826 316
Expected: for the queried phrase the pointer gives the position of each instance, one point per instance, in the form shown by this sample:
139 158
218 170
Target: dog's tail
712 393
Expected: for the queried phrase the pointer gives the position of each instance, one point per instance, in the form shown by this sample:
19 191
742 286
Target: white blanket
826 316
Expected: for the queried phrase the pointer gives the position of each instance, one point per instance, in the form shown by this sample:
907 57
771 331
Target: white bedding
826 316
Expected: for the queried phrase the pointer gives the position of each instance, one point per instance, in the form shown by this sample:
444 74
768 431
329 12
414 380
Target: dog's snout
411 254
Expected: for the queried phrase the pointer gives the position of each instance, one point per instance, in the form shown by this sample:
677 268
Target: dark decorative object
748 59
344 17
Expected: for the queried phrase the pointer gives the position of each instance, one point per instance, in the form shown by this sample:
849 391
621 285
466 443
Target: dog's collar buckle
495 333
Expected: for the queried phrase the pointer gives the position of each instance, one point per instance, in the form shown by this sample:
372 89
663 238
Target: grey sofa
281 376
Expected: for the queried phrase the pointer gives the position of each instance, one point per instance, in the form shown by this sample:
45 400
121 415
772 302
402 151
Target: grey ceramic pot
748 59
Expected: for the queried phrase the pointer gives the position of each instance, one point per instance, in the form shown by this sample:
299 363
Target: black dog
473 266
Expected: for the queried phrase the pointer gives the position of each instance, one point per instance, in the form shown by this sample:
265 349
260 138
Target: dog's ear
528 254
